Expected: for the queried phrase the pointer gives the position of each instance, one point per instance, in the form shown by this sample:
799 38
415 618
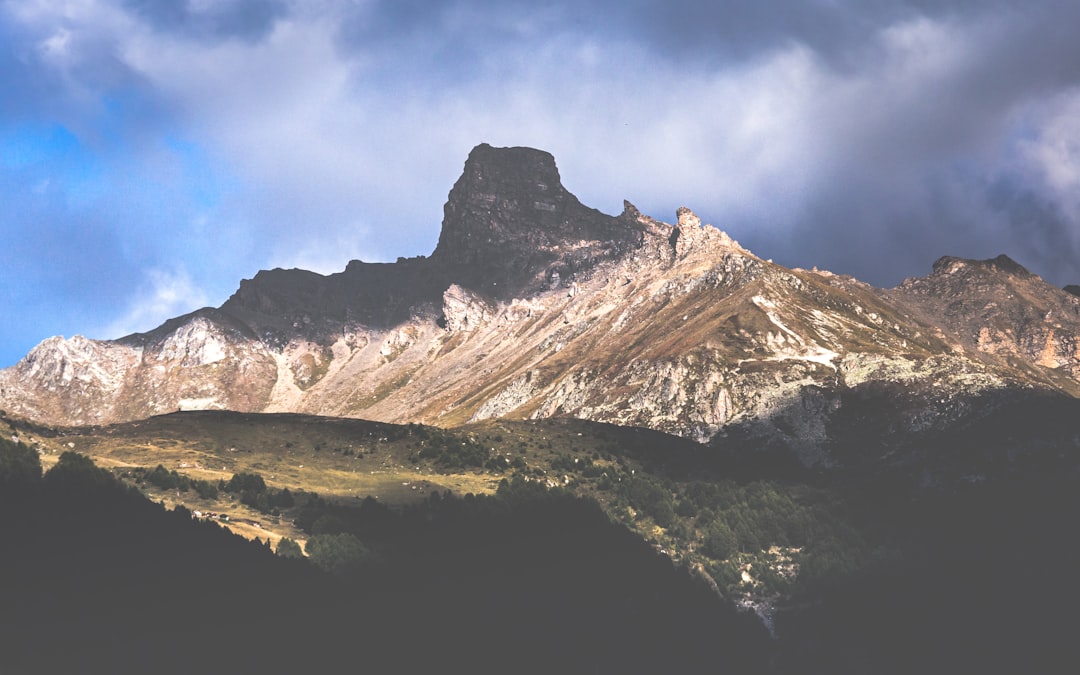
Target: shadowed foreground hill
975 576
95 579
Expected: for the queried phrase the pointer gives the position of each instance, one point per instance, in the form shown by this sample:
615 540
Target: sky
153 153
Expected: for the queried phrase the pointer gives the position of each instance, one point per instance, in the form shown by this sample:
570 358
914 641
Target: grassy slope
639 476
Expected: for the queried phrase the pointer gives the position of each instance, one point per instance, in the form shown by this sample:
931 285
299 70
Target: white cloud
325 255
166 293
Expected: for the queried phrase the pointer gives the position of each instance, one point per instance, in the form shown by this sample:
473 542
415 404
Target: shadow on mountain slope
97 579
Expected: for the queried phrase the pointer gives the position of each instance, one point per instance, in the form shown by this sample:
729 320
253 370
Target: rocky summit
533 305
509 225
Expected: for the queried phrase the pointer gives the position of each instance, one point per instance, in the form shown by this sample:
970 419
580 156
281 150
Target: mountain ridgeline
533 305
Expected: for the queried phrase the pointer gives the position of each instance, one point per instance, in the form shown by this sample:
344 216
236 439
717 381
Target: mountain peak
1002 263
508 216
503 194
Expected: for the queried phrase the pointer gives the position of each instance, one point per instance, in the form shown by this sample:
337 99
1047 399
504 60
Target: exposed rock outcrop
197 365
463 309
1000 310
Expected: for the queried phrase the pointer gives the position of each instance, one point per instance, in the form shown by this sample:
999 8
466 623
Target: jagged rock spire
509 216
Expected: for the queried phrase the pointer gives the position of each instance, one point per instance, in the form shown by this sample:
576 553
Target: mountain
533 305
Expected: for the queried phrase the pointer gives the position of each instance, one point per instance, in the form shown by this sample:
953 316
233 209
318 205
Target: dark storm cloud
721 32
1034 45
958 149
914 167
698 35
242 19
1042 235
420 43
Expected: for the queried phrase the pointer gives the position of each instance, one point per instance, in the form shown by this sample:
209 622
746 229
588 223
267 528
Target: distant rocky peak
951 276
504 196
947 265
508 217
500 171
689 235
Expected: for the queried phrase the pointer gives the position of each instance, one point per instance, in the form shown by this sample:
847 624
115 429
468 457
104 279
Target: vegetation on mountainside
858 572
678 499
664 488
478 580
19 464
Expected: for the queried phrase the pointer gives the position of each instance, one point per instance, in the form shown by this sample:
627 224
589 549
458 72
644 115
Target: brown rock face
998 309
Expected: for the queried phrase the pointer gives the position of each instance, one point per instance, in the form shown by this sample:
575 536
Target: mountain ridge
533 305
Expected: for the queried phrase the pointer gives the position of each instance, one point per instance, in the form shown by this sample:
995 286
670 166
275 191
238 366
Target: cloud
220 138
1053 152
64 63
161 294
1037 191
210 20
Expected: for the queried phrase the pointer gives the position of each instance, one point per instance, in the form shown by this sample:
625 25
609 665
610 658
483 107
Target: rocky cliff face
533 305
510 227
1004 313
195 363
